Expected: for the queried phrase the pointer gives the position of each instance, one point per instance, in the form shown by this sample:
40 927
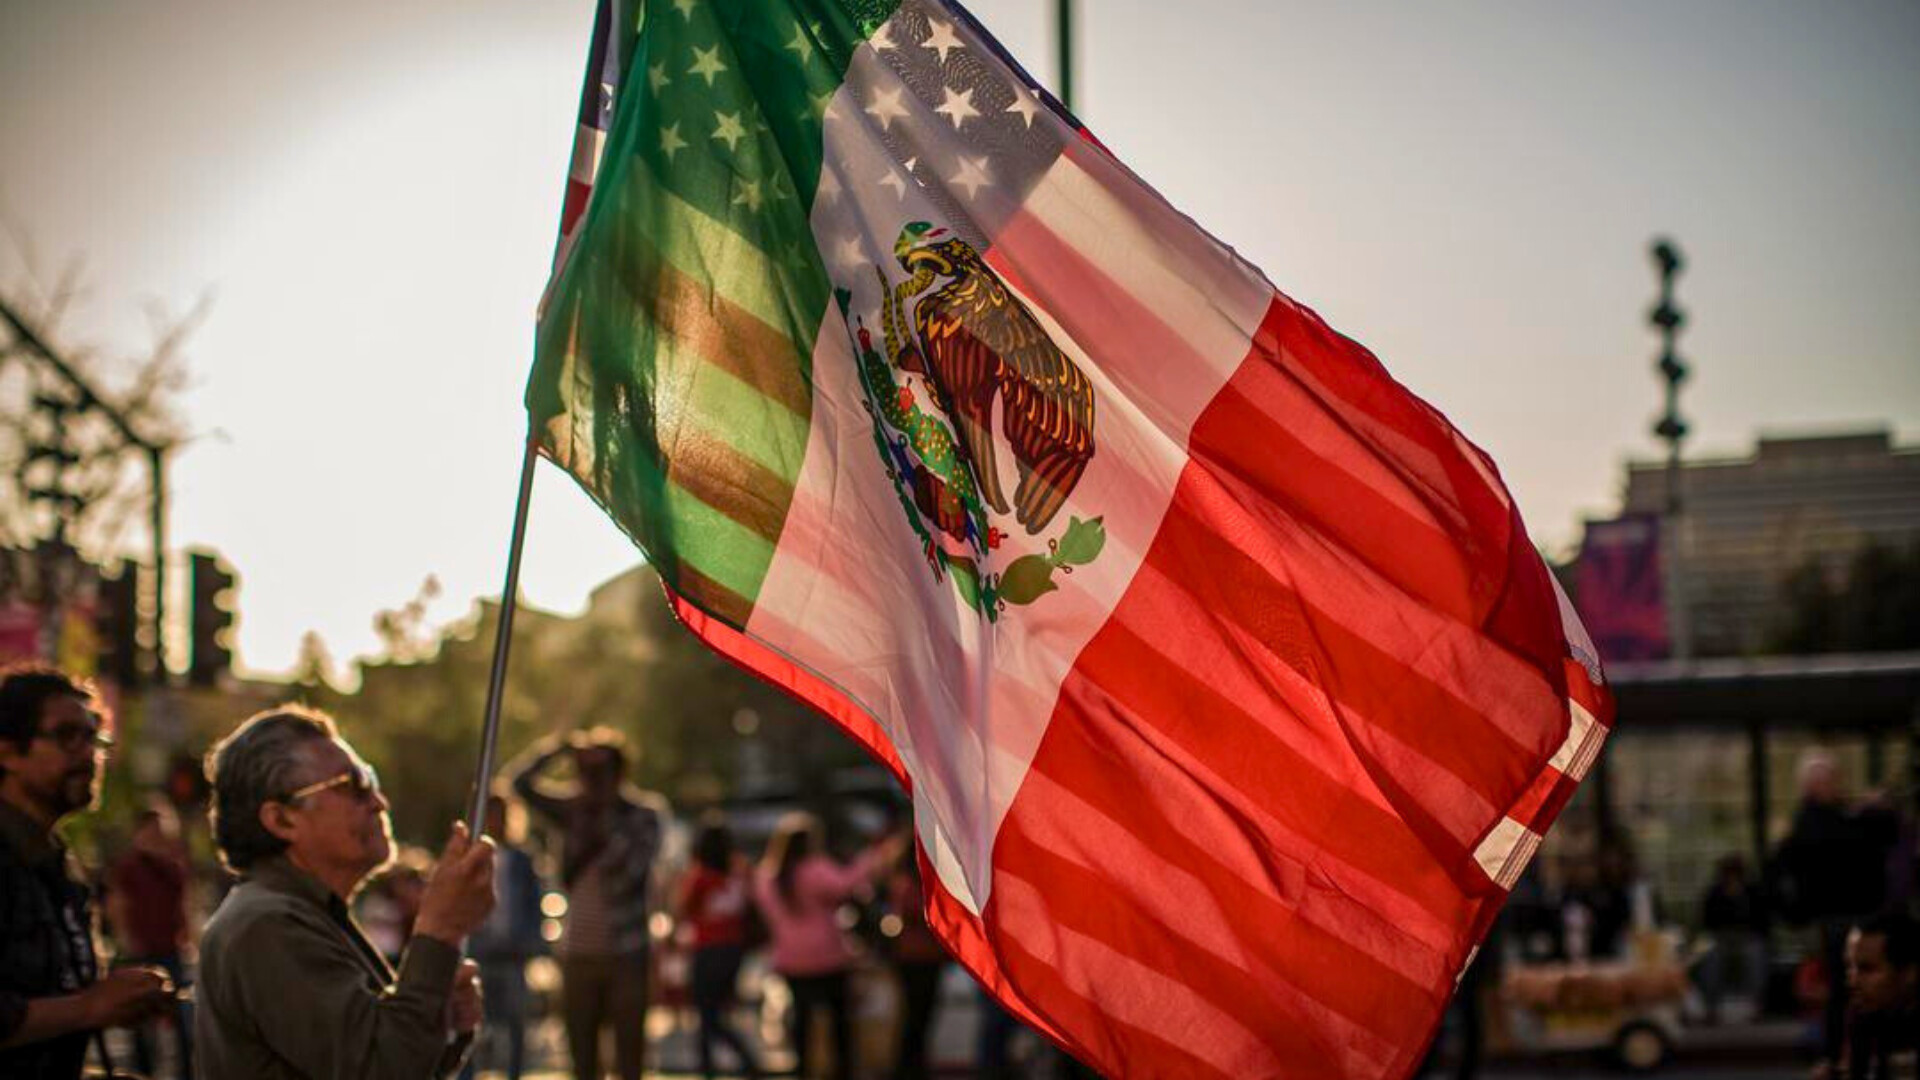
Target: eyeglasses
363 783
72 737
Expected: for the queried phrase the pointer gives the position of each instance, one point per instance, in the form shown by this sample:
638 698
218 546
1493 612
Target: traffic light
117 619
212 620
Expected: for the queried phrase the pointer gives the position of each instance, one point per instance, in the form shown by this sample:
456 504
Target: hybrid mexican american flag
1229 692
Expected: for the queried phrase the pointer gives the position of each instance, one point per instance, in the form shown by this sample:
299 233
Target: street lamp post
1668 318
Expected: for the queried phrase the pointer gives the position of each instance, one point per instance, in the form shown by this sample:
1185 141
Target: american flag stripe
598 92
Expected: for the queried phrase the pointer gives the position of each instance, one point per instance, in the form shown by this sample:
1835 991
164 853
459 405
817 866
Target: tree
625 663
1875 606
65 470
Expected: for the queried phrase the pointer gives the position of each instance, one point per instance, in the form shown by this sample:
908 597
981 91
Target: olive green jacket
290 989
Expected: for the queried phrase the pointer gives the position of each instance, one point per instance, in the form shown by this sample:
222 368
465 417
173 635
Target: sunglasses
72 737
361 782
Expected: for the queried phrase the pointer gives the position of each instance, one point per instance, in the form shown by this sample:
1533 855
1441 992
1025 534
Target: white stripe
1582 744
588 144
1506 851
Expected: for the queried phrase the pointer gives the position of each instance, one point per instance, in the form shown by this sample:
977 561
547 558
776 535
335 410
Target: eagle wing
962 370
1048 419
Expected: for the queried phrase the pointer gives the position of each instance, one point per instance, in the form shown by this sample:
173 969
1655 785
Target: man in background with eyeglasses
289 985
53 997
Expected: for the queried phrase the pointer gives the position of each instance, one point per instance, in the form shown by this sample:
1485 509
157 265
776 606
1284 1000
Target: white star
685 8
942 40
707 62
829 185
848 253
670 141
801 46
1023 103
912 164
657 76
882 39
973 176
958 105
886 107
897 182
749 195
728 130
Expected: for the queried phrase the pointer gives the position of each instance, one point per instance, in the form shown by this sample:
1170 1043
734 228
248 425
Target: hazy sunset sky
369 192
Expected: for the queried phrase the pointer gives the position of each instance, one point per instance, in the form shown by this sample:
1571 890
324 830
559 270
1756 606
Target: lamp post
1667 317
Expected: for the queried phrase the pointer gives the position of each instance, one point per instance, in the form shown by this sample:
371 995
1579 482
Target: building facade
1747 524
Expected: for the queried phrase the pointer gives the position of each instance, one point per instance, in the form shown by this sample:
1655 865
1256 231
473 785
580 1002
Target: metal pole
156 462
1668 318
502 637
1758 797
1064 22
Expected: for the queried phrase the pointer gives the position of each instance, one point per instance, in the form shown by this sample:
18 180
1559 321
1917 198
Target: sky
367 192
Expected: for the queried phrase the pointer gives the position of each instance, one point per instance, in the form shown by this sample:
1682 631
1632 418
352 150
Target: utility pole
1064 24
1668 318
83 399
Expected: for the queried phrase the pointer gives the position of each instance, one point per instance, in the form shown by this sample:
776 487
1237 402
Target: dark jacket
290 988
1833 864
46 943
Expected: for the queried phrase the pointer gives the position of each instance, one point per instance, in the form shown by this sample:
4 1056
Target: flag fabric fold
1229 691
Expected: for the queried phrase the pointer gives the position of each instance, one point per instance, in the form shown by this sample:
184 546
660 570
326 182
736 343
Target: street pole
156 459
157 472
1668 318
1064 24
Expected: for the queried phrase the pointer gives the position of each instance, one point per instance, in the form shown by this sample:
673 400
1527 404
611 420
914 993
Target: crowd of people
333 951
1832 905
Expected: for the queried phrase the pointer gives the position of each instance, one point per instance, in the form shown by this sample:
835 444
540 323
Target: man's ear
277 819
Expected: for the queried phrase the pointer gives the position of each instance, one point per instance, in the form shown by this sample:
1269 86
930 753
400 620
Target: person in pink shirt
800 888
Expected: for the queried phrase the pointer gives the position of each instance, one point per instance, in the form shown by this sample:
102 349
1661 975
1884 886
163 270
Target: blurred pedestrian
713 906
1831 871
611 835
800 888
53 998
147 905
506 941
1883 1016
919 960
1730 920
290 987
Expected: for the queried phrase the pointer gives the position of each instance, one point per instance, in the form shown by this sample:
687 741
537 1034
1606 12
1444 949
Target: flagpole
502 637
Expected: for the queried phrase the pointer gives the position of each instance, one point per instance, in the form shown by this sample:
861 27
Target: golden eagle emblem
974 341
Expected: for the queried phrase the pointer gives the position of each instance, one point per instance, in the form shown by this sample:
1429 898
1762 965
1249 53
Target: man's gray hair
257 764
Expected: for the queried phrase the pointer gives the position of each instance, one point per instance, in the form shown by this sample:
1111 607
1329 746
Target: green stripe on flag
672 373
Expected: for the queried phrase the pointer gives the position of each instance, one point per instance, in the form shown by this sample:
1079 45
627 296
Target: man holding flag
1229 691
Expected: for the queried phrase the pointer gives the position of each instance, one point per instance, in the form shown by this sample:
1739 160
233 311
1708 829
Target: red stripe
1239 563
574 205
1215 719
1337 486
1527 810
1190 875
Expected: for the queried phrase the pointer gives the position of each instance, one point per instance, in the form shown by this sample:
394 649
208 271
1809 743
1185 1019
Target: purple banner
1620 593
